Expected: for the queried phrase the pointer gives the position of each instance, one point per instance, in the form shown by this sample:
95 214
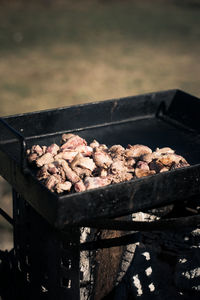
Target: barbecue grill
45 260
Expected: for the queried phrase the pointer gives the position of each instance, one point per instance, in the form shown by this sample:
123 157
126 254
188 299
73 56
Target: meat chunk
70 174
102 159
94 144
118 167
74 164
83 162
169 159
85 150
43 173
53 168
51 182
67 136
164 150
67 154
142 173
79 186
116 149
45 159
95 182
61 187
37 149
53 149
74 142
82 172
138 150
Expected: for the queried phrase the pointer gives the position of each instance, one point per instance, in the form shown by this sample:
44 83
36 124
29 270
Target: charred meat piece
45 159
95 182
74 142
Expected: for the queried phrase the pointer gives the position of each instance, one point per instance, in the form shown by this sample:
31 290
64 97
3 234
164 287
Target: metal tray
167 118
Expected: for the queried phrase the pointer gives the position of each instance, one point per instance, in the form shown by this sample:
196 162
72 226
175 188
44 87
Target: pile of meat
78 167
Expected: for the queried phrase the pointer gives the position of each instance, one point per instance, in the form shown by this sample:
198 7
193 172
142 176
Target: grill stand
45 263
48 262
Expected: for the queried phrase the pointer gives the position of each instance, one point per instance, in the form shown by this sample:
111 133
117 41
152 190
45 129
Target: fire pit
46 225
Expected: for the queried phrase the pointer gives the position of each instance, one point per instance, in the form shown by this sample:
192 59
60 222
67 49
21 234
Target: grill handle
22 140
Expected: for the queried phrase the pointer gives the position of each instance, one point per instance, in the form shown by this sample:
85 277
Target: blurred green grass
59 53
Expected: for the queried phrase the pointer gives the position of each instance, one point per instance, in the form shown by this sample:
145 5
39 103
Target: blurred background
65 52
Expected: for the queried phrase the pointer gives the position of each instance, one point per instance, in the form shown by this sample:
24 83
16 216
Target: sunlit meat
116 178
67 136
95 182
74 142
79 186
164 150
74 164
53 149
70 174
46 158
118 167
116 150
138 150
168 159
37 149
142 173
102 159
83 162
94 144
67 154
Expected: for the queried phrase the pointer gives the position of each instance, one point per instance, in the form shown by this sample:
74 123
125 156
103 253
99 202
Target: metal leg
48 260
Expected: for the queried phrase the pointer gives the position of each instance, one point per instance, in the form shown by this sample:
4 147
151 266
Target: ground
59 53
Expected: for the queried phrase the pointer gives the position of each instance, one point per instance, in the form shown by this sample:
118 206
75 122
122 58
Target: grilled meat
74 164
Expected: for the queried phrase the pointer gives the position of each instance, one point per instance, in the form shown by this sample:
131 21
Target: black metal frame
45 261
